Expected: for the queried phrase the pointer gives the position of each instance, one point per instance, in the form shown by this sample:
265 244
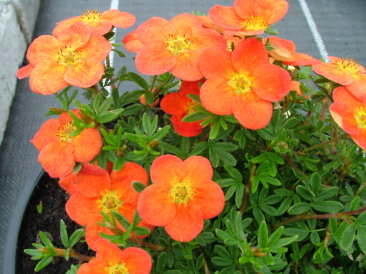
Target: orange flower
174 46
99 23
95 191
248 17
111 259
181 196
59 150
350 114
340 70
285 51
72 57
178 104
132 43
243 83
346 72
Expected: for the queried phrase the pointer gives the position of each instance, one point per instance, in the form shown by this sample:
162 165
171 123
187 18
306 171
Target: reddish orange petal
295 85
60 26
251 111
123 179
301 59
217 97
186 129
175 103
46 134
248 54
87 145
187 223
165 169
97 48
186 67
185 22
119 19
358 87
75 36
190 87
57 159
92 234
44 47
210 197
284 50
95 266
154 30
272 83
155 205
83 210
211 68
137 260
91 180
47 78
226 17
25 71
198 169
84 74
132 43
154 59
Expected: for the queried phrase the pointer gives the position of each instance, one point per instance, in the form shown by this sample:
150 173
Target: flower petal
198 169
187 223
155 205
46 134
83 210
217 97
251 111
87 145
119 19
57 159
175 103
186 129
137 260
248 54
167 169
209 66
85 73
226 17
97 48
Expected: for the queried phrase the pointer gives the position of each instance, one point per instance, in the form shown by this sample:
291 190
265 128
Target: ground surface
340 24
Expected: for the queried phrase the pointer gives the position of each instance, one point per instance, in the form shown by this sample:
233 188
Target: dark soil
53 199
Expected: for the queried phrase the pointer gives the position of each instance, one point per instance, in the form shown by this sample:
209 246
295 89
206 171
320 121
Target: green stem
247 190
344 136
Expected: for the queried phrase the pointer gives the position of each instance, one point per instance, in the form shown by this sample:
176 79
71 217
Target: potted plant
237 155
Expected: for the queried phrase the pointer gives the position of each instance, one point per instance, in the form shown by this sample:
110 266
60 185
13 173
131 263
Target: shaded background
341 25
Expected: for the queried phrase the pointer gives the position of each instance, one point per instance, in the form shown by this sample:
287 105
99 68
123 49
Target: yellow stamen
360 117
192 106
241 82
91 17
347 65
255 23
68 56
182 192
178 44
119 268
110 201
65 130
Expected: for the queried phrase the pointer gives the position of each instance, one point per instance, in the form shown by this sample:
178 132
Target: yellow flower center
110 201
241 82
360 117
255 23
65 130
192 106
119 268
178 44
182 192
68 56
347 65
91 17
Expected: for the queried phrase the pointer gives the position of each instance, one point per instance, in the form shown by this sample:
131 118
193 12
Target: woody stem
60 252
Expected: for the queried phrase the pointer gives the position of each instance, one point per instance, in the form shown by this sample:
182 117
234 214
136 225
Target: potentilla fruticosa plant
234 153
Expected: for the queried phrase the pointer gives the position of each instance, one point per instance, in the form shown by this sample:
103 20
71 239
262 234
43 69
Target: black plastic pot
11 244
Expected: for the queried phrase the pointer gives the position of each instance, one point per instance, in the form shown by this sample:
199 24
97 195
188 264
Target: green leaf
134 77
195 117
327 206
141 231
109 116
75 237
315 182
263 235
299 208
275 236
45 240
361 239
121 219
304 192
63 234
138 186
161 262
118 164
43 263
347 237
